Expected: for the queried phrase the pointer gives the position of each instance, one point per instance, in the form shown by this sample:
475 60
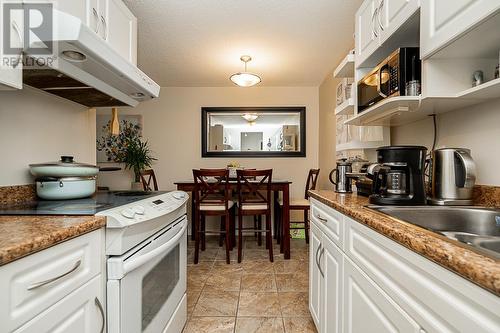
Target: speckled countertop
478 268
24 235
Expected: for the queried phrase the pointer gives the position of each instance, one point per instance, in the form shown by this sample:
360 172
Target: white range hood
87 70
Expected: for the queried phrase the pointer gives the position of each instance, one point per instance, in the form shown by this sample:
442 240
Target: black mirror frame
204 133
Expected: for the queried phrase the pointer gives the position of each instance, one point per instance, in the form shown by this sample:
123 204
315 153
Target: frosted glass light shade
245 79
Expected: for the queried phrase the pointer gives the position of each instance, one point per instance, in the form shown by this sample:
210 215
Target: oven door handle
379 81
139 261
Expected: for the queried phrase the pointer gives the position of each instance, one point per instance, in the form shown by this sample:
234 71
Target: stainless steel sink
477 227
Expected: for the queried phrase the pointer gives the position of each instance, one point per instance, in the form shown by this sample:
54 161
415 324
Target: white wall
172 124
476 128
36 127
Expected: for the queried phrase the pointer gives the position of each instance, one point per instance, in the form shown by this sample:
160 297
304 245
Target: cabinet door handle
105 27
374 28
319 261
97 23
20 56
378 15
43 283
321 219
101 310
317 251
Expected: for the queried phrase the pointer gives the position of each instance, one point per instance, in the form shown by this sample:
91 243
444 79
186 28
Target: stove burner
132 193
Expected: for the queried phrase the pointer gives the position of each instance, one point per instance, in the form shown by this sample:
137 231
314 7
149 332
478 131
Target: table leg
275 215
285 241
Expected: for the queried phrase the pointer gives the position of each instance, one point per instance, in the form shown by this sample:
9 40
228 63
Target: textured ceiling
199 42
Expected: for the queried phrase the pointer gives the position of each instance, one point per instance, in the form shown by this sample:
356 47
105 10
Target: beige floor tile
259 325
221 267
291 266
258 267
294 304
292 282
258 282
216 303
299 325
256 254
258 304
210 325
196 281
223 281
192 299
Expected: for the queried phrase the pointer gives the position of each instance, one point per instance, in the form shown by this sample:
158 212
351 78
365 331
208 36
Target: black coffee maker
398 177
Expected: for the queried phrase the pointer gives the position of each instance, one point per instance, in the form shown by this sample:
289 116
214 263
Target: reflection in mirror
253 131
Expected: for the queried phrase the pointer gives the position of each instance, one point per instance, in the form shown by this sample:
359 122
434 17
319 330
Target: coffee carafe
398 177
339 178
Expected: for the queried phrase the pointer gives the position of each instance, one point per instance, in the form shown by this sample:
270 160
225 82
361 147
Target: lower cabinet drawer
328 220
33 284
439 300
82 311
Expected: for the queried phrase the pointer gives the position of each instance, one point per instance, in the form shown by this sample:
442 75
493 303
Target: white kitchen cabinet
33 285
110 19
11 63
392 14
368 309
331 260
315 275
80 312
122 29
366 38
325 281
442 22
376 21
376 285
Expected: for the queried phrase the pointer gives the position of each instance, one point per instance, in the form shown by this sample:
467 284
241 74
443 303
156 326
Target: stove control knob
140 210
128 213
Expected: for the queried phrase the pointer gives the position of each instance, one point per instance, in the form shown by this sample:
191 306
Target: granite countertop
478 268
24 235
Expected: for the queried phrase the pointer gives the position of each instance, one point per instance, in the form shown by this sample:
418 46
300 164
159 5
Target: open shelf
396 111
345 68
358 145
346 108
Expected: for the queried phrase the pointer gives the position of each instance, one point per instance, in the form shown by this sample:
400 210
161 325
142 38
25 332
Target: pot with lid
66 167
64 179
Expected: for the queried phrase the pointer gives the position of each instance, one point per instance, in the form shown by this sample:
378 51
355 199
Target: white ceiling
199 42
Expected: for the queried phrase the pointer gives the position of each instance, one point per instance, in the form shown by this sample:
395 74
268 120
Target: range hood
86 70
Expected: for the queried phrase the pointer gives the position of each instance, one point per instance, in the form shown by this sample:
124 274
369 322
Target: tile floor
256 296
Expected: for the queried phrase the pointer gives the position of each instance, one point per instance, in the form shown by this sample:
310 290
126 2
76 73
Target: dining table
277 186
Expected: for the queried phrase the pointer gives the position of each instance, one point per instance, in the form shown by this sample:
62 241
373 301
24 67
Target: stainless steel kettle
453 177
342 182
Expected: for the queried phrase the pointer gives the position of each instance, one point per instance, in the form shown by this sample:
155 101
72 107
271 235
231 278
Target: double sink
474 226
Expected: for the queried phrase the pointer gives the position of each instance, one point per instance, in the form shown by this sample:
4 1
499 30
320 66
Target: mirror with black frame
253 132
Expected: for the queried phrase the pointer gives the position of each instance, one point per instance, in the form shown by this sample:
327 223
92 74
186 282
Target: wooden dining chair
254 199
301 204
212 197
148 176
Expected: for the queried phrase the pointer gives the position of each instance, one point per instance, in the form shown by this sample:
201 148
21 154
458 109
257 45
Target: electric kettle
453 177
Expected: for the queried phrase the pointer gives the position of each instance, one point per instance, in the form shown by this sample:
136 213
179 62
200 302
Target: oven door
147 284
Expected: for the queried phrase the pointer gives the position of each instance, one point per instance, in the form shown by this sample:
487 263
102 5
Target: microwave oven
390 78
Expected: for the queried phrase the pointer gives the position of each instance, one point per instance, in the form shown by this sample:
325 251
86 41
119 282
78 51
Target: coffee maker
398 177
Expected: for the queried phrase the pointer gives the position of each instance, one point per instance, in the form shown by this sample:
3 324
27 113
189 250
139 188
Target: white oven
146 289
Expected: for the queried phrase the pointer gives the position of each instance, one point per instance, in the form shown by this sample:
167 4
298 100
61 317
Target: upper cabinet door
391 14
86 10
366 31
11 59
122 29
441 22
368 309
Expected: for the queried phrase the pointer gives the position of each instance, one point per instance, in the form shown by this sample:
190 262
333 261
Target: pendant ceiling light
245 79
